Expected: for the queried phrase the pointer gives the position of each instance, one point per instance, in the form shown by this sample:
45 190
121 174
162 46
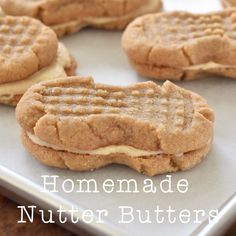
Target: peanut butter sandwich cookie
76 124
29 53
228 3
67 17
180 45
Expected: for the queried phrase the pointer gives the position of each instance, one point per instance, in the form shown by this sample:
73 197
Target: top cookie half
77 113
178 45
26 46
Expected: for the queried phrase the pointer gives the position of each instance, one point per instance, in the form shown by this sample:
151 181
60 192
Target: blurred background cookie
67 17
229 3
181 45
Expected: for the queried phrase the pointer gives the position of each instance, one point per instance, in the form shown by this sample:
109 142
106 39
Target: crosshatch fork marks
147 102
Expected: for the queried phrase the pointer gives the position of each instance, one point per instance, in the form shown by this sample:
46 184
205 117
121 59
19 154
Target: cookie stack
29 53
75 123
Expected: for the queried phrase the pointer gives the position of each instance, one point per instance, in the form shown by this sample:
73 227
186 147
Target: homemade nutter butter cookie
29 53
228 3
67 17
180 45
77 124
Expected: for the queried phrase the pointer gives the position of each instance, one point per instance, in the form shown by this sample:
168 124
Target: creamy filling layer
1 12
204 67
153 4
112 149
208 66
57 69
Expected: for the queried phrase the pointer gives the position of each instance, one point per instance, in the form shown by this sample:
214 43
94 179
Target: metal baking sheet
211 183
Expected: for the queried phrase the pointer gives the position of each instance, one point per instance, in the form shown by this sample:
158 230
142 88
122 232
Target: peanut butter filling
112 149
57 69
